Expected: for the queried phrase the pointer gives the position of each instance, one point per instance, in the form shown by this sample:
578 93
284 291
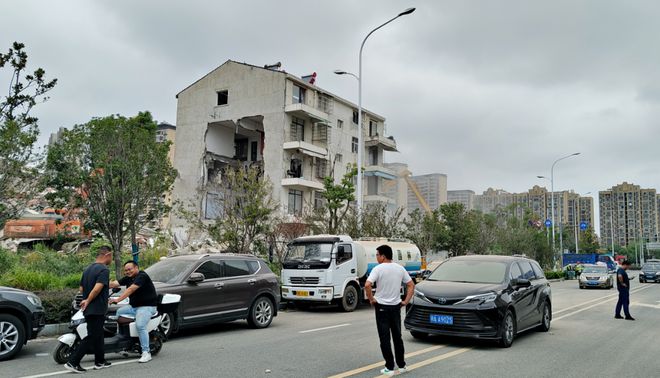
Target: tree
426 230
588 241
19 131
376 220
281 235
247 212
461 228
330 218
486 232
114 169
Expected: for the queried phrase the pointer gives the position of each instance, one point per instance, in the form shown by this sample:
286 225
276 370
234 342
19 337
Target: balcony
306 149
387 143
378 198
379 171
304 110
301 183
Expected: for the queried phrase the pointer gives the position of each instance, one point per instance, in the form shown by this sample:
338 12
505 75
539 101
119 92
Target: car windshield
168 271
476 271
308 252
595 269
655 267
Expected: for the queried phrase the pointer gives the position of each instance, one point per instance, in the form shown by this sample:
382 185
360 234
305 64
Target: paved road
322 342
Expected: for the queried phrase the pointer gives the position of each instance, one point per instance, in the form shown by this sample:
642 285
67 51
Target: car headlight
420 295
480 298
34 300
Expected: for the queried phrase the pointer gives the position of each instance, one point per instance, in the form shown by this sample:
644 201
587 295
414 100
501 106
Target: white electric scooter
126 339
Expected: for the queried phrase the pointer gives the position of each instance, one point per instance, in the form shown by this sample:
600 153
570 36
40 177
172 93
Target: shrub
22 278
57 304
554 274
72 280
8 260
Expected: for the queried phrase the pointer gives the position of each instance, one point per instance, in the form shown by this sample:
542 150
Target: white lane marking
593 300
657 307
41 354
91 367
594 305
324 328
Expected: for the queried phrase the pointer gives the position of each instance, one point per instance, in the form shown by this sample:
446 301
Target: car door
202 300
517 293
238 288
529 294
345 265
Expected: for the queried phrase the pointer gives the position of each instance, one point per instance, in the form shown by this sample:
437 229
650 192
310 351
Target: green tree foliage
113 169
424 229
19 131
376 220
248 213
588 241
460 228
331 217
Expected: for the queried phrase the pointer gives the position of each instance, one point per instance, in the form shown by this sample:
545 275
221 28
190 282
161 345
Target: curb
557 280
54 329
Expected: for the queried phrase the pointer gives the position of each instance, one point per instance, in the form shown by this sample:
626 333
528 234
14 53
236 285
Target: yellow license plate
302 293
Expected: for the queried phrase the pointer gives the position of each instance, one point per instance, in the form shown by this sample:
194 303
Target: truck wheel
12 336
62 353
350 300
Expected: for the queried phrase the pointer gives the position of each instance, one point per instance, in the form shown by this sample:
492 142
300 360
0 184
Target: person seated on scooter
143 301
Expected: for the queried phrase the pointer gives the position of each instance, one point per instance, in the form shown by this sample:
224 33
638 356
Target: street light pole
359 79
577 221
552 199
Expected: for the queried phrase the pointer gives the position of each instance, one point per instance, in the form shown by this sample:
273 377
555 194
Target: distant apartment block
293 131
464 197
432 187
628 214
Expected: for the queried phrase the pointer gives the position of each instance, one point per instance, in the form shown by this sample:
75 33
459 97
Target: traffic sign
583 226
548 223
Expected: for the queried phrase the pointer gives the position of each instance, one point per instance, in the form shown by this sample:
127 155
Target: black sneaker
75 369
629 318
618 317
105 364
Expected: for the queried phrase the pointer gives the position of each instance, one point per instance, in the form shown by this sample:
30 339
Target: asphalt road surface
584 341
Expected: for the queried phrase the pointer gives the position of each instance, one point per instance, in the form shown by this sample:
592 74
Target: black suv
650 272
483 297
21 318
214 288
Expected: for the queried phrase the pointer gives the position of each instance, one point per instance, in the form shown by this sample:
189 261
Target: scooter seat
124 320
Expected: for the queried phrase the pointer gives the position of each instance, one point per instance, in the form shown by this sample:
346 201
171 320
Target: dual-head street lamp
360 151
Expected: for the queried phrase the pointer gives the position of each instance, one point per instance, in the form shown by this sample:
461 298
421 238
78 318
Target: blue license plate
593 282
442 319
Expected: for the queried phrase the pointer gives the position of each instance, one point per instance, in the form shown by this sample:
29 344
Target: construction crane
413 186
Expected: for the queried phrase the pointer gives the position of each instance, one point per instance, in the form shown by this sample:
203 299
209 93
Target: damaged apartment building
293 131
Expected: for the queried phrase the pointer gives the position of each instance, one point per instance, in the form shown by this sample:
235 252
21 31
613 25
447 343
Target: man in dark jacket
94 286
623 286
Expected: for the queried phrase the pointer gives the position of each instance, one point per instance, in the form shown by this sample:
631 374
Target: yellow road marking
379 364
435 359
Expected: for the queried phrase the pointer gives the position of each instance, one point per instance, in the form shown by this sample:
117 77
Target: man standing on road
143 301
94 286
623 285
388 277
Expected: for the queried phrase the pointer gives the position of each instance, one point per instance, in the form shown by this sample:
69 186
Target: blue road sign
583 226
548 223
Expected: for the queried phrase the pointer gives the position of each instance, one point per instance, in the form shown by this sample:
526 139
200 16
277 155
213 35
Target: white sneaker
146 357
403 370
387 372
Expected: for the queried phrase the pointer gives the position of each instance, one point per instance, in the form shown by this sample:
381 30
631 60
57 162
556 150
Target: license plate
302 293
442 319
593 282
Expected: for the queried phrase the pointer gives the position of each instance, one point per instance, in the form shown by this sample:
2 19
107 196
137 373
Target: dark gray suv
21 318
218 288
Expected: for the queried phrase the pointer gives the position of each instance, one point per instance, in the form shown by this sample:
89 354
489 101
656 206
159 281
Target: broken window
253 151
354 145
355 117
297 129
223 97
295 202
298 95
321 134
241 146
319 200
321 168
295 169
373 128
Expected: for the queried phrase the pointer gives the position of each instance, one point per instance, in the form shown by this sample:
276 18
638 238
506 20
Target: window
527 271
297 129
295 202
355 117
319 200
354 145
338 158
340 124
321 168
373 128
298 95
398 252
253 151
223 97
235 268
409 257
210 269
254 266
537 270
348 254
515 272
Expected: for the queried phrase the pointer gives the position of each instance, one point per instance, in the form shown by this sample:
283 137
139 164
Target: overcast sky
488 92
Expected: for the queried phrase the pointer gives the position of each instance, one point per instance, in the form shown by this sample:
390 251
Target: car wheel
349 301
261 313
546 317
508 331
12 336
62 352
167 324
419 335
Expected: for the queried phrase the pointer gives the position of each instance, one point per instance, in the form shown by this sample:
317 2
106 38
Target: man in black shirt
623 285
143 301
94 288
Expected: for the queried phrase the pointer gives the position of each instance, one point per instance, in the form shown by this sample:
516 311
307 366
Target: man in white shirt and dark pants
388 277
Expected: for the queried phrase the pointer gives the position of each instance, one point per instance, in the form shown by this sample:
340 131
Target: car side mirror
520 282
196 278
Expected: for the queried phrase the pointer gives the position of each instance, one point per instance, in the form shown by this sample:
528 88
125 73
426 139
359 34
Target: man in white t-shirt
388 277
